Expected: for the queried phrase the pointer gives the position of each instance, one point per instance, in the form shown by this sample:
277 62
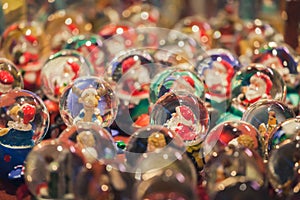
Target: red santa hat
28 113
31 39
263 79
128 63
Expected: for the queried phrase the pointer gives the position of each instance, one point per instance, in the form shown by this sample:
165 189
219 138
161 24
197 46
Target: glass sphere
196 27
91 47
24 122
88 99
182 113
285 132
52 168
266 116
60 70
152 140
283 59
219 63
61 26
233 170
10 76
95 142
253 83
168 184
175 79
104 181
142 14
236 133
283 168
24 43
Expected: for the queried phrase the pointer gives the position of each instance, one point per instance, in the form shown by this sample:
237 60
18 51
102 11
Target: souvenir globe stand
24 123
60 70
10 76
283 168
185 114
91 47
52 168
88 99
24 43
152 140
94 141
266 116
235 133
251 84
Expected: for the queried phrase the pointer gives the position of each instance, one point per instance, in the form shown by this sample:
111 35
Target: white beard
253 93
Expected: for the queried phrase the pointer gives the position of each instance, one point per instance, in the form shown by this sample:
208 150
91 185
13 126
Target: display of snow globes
285 132
185 114
52 168
217 68
236 133
24 122
253 83
152 140
88 99
91 47
174 79
24 44
266 116
61 26
198 28
10 76
235 173
61 69
283 168
95 142
142 14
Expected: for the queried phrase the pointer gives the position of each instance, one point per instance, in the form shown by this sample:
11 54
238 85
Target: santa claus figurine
183 122
259 88
6 81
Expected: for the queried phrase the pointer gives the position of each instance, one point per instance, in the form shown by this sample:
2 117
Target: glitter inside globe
283 168
183 113
60 70
91 47
286 131
236 133
229 172
196 27
254 83
24 123
88 99
150 140
10 76
175 79
94 141
219 63
52 168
